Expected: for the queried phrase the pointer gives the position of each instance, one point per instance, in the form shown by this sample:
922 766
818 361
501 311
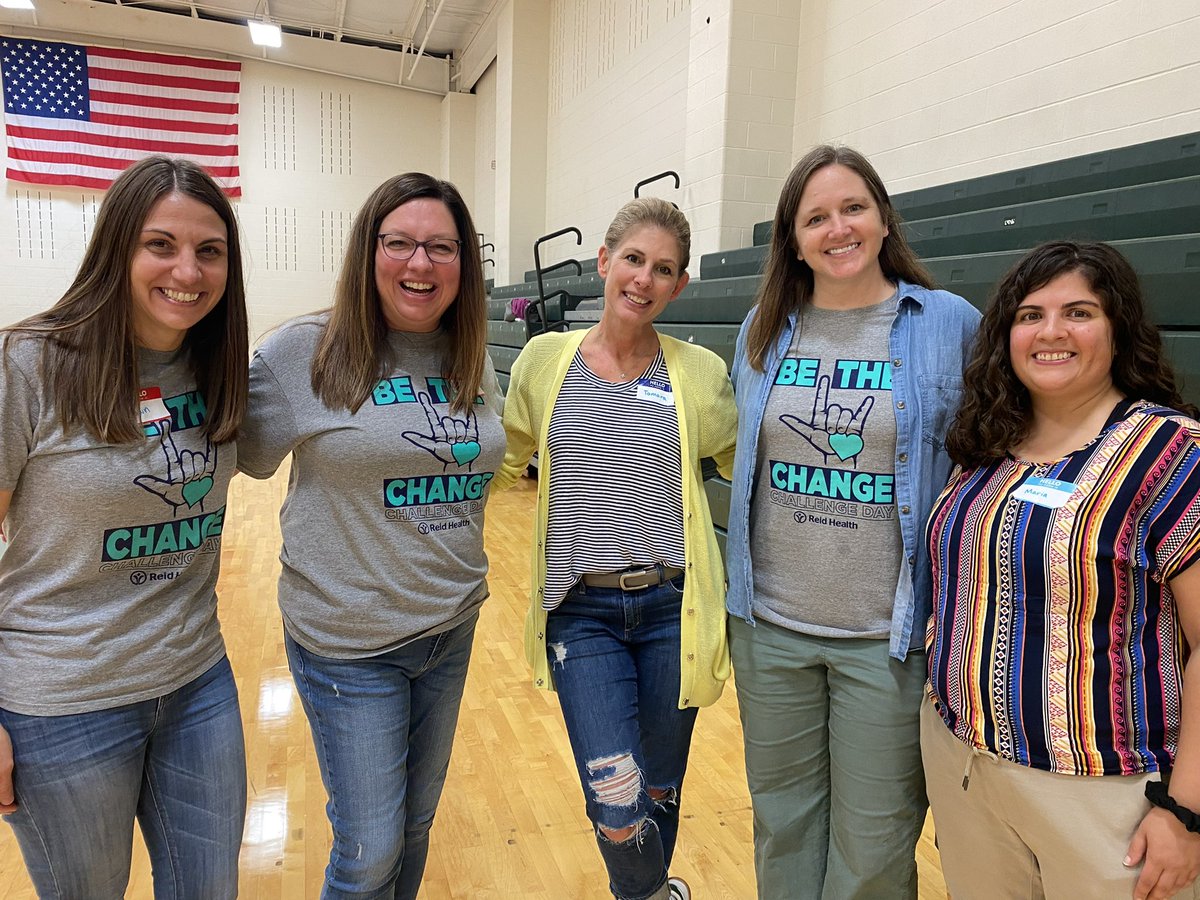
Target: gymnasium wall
483 206
941 90
617 108
312 147
932 90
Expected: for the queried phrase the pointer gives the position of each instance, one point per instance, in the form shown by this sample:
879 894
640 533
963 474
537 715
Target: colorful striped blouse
1054 641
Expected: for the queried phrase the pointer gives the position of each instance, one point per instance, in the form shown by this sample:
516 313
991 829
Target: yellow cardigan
707 427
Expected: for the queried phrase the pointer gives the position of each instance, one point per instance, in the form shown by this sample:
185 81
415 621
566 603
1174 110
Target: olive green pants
833 759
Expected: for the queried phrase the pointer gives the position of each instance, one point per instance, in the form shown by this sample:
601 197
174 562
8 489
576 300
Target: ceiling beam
414 19
479 52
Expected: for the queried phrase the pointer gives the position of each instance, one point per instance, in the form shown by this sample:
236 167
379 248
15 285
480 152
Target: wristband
1156 793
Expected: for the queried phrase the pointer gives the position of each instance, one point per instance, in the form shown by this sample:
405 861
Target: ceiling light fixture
17 4
265 34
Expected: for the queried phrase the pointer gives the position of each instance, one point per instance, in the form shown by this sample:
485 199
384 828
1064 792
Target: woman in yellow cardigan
626 619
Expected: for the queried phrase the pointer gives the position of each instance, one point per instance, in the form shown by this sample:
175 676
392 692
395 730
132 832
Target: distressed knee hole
668 796
631 834
560 654
616 779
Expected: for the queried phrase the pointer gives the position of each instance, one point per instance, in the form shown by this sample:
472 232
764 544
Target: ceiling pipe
340 15
425 40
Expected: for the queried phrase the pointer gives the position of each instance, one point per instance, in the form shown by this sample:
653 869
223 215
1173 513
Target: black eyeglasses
401 246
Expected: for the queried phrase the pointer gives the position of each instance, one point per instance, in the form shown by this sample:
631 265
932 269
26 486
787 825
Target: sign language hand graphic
450 440
833 430
189 474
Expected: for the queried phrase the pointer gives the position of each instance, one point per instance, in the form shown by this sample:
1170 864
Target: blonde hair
651 211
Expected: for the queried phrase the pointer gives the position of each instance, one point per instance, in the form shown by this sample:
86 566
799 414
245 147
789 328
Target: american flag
80 116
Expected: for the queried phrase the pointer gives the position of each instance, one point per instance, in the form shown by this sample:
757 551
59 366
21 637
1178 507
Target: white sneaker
679 889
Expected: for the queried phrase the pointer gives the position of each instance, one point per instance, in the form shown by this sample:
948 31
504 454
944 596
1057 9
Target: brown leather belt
634 579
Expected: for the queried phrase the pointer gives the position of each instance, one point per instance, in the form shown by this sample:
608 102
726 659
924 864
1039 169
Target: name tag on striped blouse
655 391
1048 492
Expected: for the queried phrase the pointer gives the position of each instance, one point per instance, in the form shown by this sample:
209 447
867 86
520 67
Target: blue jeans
383 727
614 656
177 764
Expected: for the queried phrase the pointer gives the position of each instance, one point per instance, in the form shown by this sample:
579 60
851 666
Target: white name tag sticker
655 392
151 407
1048 492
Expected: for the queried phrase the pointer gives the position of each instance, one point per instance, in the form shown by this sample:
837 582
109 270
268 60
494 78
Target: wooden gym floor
511 823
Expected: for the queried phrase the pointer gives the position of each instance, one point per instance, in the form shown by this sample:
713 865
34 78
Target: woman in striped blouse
627 615
1067 599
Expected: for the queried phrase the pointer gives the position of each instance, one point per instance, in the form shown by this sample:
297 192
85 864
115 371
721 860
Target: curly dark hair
996 411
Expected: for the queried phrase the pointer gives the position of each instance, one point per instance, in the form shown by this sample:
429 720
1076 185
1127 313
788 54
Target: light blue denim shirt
929 344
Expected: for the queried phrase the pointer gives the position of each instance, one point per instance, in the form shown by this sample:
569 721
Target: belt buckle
640 573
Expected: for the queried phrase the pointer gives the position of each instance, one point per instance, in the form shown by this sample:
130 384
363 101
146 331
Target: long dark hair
89 354
787 283
351 355
996 412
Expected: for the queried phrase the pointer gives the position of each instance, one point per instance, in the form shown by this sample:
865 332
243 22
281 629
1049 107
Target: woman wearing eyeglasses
391 411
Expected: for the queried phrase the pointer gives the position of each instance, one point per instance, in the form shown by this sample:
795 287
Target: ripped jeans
614 656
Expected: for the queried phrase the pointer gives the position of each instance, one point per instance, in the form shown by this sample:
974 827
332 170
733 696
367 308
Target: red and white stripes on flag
79 116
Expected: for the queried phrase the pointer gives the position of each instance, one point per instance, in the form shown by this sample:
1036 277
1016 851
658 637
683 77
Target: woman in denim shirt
848 373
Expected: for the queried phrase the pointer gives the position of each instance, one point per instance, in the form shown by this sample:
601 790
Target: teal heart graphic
465 452
846 445
195 491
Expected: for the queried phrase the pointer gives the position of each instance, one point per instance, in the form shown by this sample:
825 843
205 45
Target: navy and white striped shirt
616 484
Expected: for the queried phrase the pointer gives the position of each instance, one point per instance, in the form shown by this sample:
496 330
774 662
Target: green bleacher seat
733 263
587 265
1165 207
497 309
1183 349
1169 269
507 334
720 339
503 357
508 291
1161 160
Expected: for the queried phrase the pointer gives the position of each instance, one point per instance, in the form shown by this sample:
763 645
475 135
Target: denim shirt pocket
940 399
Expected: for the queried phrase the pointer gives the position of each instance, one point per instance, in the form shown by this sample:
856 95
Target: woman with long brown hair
389 407
1066 617
120 405
847 373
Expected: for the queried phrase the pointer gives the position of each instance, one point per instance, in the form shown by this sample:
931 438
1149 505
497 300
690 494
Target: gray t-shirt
108 587
824 534
383 521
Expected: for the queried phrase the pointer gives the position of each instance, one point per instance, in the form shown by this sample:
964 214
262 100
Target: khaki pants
1018 833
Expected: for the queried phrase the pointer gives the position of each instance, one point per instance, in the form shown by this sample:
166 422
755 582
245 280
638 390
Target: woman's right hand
8 800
